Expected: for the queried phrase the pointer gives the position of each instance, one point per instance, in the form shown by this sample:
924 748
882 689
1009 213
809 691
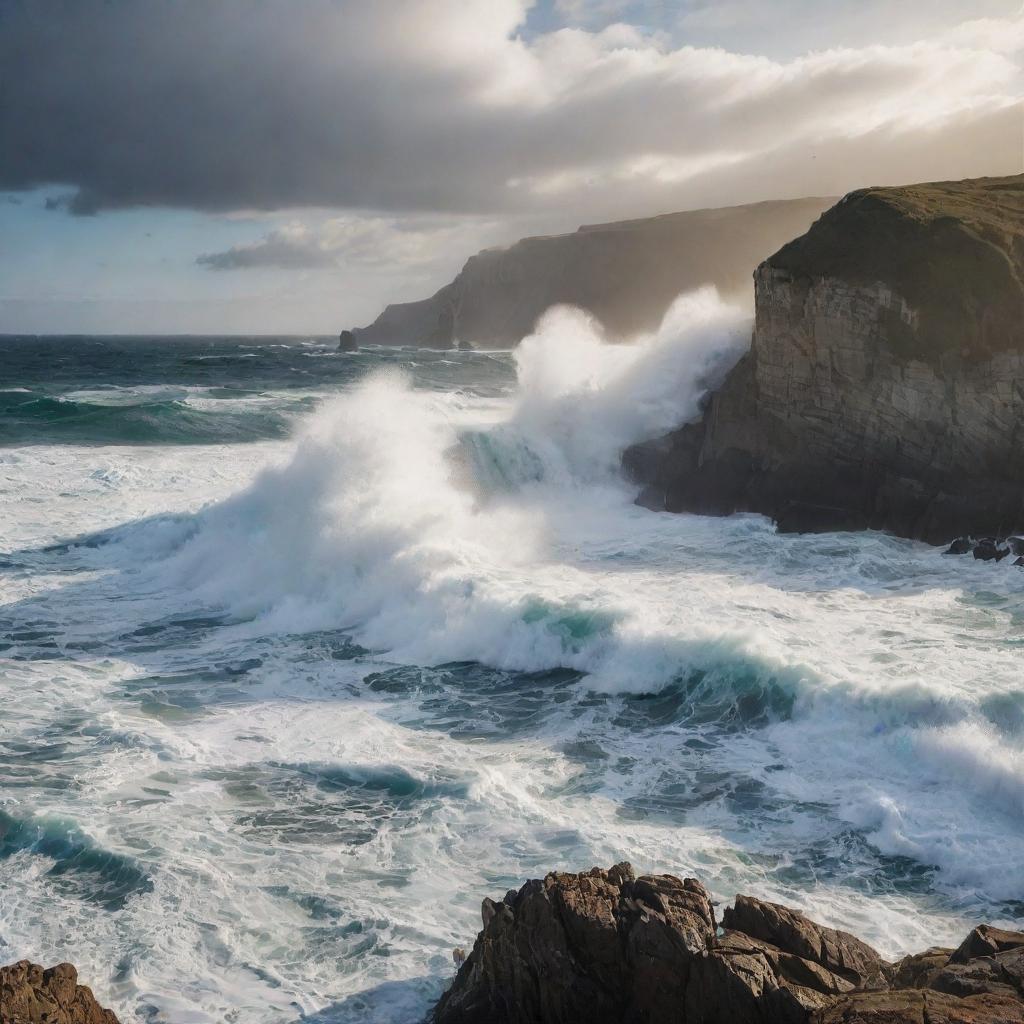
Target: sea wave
136 416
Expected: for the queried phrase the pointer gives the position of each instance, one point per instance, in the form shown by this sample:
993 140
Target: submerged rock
30 994
885 380
961 546
989 550
607 947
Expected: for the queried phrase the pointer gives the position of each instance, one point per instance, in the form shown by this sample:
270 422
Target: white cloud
370 243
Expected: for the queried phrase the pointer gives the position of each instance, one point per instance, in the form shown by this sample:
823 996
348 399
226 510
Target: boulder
601 947
961 546
30 994
918 969
989 550
606 947
987 941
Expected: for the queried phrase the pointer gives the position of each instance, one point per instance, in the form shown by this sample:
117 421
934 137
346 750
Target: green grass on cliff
953 249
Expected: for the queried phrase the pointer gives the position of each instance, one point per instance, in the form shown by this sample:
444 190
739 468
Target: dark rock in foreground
884 387
606 947
30 994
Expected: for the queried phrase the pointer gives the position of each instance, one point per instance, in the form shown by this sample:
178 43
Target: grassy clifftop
953 249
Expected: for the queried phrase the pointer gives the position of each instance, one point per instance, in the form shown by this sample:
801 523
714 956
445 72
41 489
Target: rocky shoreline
30 994
884 386
611 947
608 947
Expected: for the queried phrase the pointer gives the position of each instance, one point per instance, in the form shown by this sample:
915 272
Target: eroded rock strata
884 387
608 947
30 994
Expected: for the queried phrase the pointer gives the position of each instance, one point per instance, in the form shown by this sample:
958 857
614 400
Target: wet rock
347 342
961 546
988 549
30 994
1019 561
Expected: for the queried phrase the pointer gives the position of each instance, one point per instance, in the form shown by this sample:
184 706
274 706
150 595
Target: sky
257 166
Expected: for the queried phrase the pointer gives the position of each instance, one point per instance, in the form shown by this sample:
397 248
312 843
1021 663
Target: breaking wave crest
369 526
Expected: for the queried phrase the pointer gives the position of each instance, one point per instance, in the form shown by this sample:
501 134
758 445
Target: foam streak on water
283 698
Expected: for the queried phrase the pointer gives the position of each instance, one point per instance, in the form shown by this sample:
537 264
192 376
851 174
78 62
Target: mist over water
290 685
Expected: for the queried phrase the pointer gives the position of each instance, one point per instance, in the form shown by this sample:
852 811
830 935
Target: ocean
306 652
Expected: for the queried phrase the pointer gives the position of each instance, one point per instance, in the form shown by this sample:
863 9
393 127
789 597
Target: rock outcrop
607 947
626 274
884 387
30 994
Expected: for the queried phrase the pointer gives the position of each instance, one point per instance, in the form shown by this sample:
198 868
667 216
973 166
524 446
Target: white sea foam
833 721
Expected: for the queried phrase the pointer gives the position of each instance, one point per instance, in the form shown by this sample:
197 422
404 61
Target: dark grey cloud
417 105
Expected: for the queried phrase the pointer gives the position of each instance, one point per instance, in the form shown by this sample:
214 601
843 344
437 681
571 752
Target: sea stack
347 342
884 387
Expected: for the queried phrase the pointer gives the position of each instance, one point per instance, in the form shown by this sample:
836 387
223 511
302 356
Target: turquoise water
304 653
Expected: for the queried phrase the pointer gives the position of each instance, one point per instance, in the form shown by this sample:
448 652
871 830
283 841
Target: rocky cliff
607 947
626 274
884 387
30 994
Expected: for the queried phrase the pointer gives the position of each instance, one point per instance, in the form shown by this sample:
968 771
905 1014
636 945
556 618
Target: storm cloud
453 106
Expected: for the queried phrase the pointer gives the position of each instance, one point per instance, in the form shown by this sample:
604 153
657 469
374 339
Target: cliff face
884 387
626 274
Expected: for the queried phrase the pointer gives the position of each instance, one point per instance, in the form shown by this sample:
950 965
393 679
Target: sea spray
581 400
366 528
298 687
